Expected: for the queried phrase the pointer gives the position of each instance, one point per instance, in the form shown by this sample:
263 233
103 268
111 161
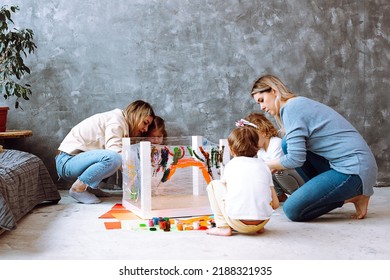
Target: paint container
167 226
143 226
179 226
162 224
196 225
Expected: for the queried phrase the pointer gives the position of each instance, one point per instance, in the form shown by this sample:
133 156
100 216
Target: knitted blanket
24 183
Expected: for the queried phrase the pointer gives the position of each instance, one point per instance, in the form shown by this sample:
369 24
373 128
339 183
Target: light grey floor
73 231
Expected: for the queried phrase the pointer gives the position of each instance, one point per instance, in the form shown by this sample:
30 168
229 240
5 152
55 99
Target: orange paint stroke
187 162
194 219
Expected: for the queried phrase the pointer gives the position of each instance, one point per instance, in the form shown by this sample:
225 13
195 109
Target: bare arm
275 200
275 165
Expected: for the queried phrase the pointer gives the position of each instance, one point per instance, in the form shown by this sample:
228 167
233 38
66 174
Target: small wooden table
15 134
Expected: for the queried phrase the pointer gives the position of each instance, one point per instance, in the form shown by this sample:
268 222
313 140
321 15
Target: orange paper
118 206
125 216
113 225
110 214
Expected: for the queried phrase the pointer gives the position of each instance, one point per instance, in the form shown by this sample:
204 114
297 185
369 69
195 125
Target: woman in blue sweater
329 153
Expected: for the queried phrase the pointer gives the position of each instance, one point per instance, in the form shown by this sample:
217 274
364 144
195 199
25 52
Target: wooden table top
15 134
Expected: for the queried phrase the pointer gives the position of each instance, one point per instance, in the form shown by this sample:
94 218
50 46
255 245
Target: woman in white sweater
92 149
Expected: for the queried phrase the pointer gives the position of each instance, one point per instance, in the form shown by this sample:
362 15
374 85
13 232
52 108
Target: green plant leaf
14 44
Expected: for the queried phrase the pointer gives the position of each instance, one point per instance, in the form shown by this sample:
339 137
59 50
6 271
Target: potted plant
15 44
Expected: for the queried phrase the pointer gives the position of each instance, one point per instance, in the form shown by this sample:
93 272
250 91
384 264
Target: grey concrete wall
195 62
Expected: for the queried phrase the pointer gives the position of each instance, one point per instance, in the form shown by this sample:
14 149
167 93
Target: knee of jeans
114 158
291 211
117 161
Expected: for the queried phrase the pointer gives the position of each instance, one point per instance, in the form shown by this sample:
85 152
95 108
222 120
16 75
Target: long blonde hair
268 82
135 113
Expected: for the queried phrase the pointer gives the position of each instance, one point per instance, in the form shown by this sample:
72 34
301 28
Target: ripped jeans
89 167
324 190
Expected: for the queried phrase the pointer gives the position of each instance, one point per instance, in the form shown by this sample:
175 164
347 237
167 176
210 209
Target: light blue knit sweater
313 126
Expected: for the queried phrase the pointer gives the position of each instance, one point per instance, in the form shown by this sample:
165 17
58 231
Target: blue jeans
89 167
325 189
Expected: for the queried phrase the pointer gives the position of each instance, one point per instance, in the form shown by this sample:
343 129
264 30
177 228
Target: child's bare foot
261 230
361 206
221 231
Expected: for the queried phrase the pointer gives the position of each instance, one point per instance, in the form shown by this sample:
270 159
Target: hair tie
243 122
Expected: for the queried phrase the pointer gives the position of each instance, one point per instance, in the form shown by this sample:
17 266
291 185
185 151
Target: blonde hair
244 141
136 112
264 125
266 84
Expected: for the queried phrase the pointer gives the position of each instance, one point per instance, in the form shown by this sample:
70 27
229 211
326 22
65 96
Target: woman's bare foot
78 192
361 206
79 186
221 231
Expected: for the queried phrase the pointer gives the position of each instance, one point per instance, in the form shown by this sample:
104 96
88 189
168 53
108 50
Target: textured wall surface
195 61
